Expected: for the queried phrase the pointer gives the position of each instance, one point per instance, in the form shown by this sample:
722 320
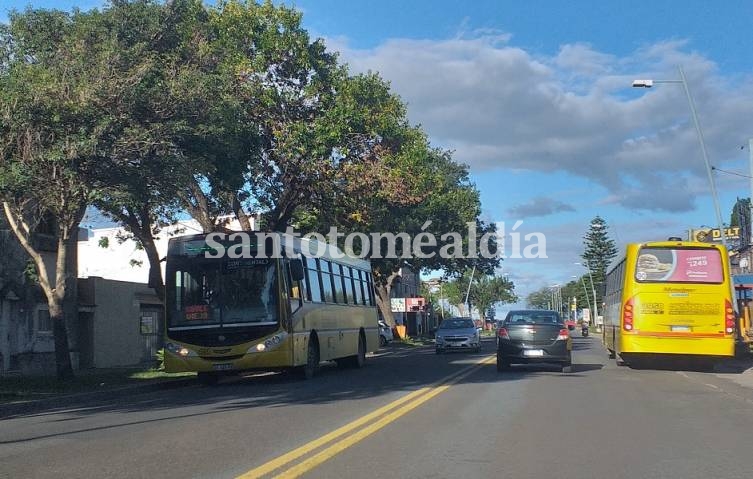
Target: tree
599 251
485 292
740 217
540 299
56 137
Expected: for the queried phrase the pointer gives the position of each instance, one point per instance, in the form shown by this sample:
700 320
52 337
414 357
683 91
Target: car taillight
563 335
729 317
502 333
627 315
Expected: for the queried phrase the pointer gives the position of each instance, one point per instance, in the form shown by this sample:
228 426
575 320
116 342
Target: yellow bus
670 298
236 306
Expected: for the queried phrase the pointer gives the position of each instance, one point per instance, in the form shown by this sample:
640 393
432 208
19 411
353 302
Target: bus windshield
228 293
679 265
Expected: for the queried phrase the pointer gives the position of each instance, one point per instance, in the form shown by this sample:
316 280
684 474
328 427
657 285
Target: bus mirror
296 269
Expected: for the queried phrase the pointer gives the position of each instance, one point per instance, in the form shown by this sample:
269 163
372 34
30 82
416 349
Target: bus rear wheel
359 360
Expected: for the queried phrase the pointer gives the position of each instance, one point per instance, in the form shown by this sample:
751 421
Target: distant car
457 333
533 336
385 334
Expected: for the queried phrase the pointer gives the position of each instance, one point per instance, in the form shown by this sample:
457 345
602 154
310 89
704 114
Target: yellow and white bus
670 298
265 311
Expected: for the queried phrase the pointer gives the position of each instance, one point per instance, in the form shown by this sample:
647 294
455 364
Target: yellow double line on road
385 414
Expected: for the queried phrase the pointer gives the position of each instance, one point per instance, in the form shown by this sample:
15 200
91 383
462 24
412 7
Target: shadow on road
399 371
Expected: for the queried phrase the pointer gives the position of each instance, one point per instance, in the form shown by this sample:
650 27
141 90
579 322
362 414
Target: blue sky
536 98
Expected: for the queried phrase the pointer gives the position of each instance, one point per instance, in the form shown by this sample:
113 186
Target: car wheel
502 365
382 341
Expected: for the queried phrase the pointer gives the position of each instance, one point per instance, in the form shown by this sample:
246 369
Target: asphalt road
600 421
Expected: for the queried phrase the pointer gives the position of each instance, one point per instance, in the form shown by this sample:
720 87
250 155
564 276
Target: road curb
10 410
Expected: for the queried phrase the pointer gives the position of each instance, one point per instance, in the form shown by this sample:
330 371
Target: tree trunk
55 294
383 302
241 214
383 290
59 303
155 267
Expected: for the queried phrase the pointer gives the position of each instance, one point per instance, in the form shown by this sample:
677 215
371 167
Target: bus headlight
270 343
179 350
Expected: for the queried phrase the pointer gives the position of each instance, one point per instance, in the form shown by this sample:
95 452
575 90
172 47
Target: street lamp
712 184
593 288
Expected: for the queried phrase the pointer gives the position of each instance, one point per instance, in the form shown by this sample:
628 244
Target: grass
24 388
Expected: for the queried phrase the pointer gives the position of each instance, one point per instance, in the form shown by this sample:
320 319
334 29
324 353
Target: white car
385 334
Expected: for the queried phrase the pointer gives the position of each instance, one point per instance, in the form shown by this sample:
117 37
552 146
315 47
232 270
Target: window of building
44 322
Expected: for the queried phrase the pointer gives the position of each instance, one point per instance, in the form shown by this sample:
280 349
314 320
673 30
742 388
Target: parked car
457 333
533 336
385 334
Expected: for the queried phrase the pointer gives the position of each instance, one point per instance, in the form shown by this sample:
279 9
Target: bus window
338 283
328 291
357 287
313 286
294 292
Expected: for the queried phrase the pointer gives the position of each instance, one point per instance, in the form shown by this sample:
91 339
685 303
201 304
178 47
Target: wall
124 260
116 333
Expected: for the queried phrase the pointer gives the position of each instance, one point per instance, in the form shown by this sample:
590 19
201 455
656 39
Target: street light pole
697 123
468 293
585 290
593 288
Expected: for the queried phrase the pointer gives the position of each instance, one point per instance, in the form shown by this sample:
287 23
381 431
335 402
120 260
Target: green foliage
104 242
160 358
599 250
485 292
31 273
740 213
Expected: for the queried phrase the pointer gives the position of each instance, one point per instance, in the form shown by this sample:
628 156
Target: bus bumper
721 346
237 360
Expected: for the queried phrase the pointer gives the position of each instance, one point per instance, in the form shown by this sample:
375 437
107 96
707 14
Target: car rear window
533 317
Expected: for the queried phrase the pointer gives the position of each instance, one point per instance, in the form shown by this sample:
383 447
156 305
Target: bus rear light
729 317
563 335
502 333
627 315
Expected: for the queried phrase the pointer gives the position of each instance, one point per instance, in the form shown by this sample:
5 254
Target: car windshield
456 324
533 317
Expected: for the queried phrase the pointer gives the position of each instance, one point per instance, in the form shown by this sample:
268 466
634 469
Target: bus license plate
222 367
533 352
683 329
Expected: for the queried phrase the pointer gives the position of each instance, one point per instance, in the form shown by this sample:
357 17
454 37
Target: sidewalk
24 395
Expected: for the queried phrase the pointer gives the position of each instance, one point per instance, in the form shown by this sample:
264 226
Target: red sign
414 304
198 312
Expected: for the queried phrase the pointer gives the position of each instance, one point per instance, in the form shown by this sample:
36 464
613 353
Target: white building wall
125 261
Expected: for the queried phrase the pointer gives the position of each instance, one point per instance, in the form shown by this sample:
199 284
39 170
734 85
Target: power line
731 172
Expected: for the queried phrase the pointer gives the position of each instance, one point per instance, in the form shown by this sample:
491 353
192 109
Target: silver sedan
457 333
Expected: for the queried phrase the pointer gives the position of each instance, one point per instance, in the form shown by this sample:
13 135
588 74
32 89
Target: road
600 421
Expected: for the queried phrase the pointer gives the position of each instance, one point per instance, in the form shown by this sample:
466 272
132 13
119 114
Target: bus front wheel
312 358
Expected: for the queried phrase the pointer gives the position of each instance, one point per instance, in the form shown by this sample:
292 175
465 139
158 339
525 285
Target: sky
536 98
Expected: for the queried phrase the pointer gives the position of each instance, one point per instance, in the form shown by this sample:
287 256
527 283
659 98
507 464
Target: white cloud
501 107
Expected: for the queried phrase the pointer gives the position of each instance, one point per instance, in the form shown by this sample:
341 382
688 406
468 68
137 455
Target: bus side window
313 285
294 292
